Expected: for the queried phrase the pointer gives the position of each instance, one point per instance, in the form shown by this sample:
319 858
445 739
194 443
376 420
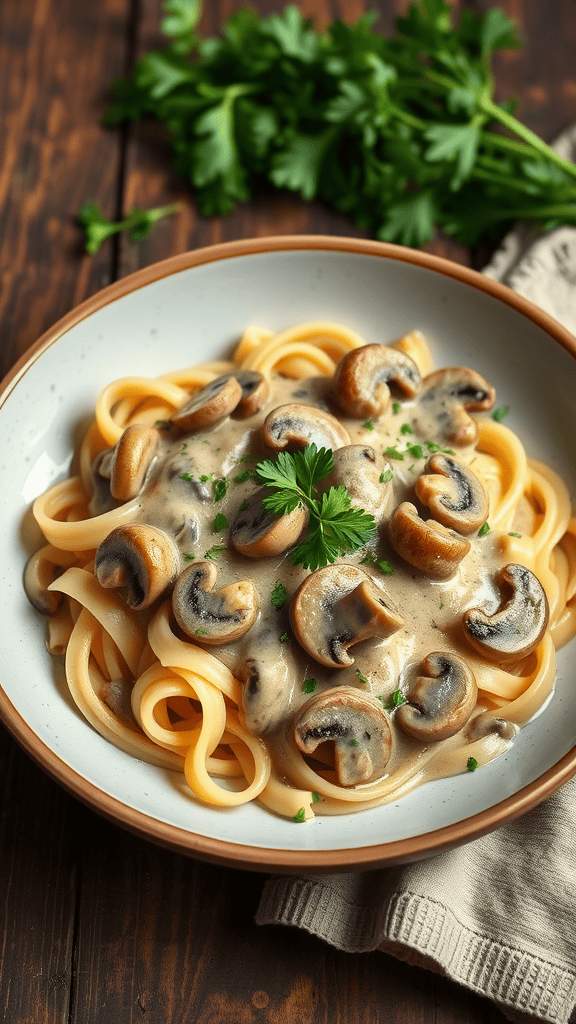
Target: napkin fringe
422 931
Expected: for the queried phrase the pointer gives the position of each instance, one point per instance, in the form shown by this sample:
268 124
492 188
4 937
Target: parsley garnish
385 567
308 686
415 450
396 407
393 453
368 425
242 477
278 595
138 223
471 764
395 699
220 522
361 677
187 476
300 816
188 556
215 551
499 414
386 476
220 488
484 529
284 638
406 429
335 526
514 534
315 797
353 742
206 477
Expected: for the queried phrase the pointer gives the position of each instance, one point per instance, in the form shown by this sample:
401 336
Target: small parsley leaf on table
138 224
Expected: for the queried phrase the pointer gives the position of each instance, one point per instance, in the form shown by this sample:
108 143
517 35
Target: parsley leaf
308 686
278 595
499 414
395 699
138 223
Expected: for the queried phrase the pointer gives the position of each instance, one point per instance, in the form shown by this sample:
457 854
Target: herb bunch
335 527
402 134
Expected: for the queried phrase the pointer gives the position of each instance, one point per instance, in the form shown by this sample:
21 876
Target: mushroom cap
337 606
259 533
362 376
293 426
441 700
255 393
209 405
359 468
38 575
213 616
457 390
357 724
140 558
453 493
428 546
517 628
127 464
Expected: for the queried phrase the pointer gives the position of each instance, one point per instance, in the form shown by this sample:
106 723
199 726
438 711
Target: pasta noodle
162 696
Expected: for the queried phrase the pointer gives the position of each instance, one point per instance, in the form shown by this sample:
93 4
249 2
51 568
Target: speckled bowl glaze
193 307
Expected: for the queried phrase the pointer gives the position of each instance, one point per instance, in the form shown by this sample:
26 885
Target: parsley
433 448
215 551
187 476
335 526
201 632
402 134
415 450
220 522
393 453
368 425
206 477
315 797
300 816
406 429
138 224
395 699
361 677
188 556
386 476
284 638
471 764
353 742
499 414
308 686
484 530
242 477
396 407
514 534
220 487
385 567
278 595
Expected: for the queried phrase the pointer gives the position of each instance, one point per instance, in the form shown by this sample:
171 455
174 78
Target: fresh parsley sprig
138 223
335 527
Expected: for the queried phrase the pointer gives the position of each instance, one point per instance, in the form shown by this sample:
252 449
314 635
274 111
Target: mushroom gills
441 701
213 616
141 559
516 629
361 379
292 427
453 493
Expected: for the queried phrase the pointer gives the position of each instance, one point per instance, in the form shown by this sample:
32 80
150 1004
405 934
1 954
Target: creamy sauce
268 659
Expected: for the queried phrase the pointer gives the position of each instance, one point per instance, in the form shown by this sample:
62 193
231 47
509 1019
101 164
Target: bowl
195 306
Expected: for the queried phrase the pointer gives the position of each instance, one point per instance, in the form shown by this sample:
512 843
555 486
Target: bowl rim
223 852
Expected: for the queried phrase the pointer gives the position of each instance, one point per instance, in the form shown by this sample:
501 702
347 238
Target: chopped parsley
385 567
514 534
394 701
361 677
187 476
499 414
215 551
368 425
471 764
353 742
278 595
220 488
220 522
484 530
415 450
386 476
396 407
300 816
206 477
308 686
188 556
163 424
284 638
242 477
393 453
201 632
315 797
406 429
433 447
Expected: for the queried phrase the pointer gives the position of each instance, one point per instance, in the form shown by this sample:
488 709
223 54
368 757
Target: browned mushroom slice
517 628
127 463
338 606
489 722
268 670
209 405
291 427
255 393
363 473
140 559
361 379
428 546
258 533
213 616
453 493
357 725
441 700
448 395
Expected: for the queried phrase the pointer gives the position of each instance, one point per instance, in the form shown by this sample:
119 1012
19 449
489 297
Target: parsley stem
493 110
490 138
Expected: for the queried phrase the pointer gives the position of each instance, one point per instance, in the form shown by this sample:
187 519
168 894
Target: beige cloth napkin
498 914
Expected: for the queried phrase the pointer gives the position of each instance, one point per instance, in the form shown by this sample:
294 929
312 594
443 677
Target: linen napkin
495 915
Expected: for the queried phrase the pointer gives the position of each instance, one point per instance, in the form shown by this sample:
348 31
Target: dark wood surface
96 925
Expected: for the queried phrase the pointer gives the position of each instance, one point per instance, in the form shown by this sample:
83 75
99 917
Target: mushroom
488 723
255 393
213 616
209 405
291 427
453 493
268 670
126 465
360 470
357 724
140 558
428 546
517 628
259 533
449 394
361 379
440 701
337 606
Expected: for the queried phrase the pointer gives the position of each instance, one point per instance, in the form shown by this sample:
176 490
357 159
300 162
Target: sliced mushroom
255 393
517 628
338 606
291 427
209 405
441 700
139 558
127 463
359 727
360 470
362 376
258 533
428 546
213 616
268 670
449 394
453 493
488 722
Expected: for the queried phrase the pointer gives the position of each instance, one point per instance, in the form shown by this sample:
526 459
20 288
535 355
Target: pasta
166 693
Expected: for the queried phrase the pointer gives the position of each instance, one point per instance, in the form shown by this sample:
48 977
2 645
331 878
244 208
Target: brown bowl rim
224 852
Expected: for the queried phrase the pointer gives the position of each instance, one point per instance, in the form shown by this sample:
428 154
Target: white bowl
193 307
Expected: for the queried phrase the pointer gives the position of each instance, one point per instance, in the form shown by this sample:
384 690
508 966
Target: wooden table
95 925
